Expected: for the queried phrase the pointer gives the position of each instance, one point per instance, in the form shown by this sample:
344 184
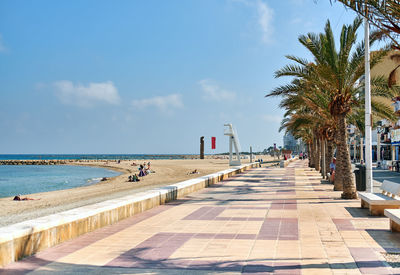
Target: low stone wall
26 238
285 163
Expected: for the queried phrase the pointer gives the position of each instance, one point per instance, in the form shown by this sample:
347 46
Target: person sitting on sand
130 178
194 172
141 173
135 178
18 198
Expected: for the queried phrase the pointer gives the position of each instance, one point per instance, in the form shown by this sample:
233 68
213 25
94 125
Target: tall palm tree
307 108
392 76
336 75
383 14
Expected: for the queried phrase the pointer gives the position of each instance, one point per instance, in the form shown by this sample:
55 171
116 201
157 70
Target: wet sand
166 172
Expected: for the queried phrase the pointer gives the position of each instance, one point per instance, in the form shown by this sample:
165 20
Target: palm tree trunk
328 155
349 189
317 155
311 154
323 162
338 183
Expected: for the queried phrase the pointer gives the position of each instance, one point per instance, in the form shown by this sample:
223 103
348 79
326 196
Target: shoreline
67 225
99 163
116 169
41 160
167 172
92 181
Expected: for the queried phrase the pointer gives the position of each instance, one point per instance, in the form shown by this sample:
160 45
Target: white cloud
272 118
86 96
2 47
265 16
163 103
211 91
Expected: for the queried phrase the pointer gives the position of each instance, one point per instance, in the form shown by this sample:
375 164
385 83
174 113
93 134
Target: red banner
213 142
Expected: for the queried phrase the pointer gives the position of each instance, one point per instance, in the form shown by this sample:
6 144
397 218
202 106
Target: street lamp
368 115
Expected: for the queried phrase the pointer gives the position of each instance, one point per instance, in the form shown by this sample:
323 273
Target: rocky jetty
33 162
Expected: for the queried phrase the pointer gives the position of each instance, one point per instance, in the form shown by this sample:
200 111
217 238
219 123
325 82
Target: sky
147 77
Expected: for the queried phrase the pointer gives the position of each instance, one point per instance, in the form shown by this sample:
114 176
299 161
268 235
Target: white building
290 143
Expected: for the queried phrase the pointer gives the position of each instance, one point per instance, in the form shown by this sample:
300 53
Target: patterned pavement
264 221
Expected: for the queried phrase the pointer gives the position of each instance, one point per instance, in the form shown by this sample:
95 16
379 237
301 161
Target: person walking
332 167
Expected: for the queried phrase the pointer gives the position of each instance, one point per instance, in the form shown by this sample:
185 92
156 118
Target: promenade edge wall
26 238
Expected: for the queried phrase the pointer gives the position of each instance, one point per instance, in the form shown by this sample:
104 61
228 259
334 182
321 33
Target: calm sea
89 156
27 179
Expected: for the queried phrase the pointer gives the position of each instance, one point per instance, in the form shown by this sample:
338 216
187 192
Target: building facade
290 143
389 133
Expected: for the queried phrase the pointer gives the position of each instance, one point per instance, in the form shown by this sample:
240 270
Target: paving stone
266 221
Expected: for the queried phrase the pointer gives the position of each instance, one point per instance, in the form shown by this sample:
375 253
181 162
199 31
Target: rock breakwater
33 162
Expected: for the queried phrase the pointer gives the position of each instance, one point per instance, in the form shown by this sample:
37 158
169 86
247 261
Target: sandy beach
166 172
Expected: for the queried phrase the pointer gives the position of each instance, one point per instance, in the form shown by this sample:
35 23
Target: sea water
27 179
89 156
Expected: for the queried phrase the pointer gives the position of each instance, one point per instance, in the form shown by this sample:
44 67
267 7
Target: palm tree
384 15
336 77
392 76
308 108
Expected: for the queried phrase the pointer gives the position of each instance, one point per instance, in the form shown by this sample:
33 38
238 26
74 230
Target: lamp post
368 115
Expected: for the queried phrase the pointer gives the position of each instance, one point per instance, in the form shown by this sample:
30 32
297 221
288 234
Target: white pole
368 116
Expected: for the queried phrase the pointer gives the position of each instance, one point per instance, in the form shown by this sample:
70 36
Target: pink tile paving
368 261
53 254
266 221
284 204
343 224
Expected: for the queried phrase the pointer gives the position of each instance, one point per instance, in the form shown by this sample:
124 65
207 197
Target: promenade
264 221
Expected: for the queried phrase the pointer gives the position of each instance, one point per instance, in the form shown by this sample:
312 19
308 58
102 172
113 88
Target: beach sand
166 172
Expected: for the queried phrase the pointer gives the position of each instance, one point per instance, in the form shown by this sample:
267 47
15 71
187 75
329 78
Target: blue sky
147 76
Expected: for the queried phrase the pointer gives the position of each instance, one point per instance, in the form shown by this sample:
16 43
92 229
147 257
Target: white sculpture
233 140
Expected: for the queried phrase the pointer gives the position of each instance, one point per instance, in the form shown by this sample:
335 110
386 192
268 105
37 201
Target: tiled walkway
266 221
